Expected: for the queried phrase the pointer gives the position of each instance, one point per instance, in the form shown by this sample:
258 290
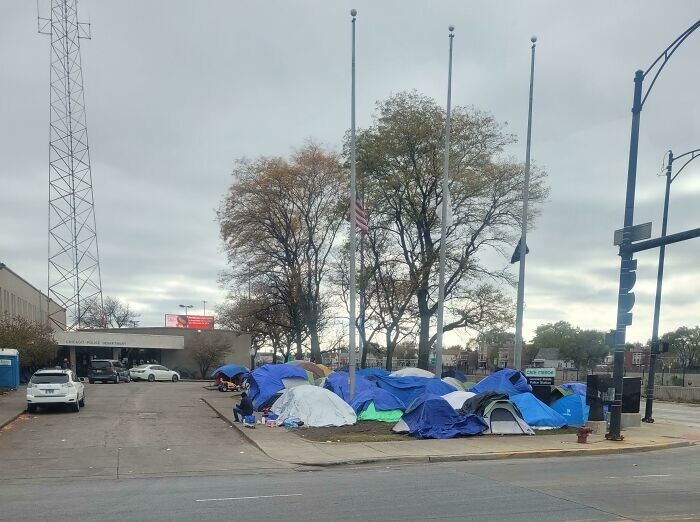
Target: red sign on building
193 322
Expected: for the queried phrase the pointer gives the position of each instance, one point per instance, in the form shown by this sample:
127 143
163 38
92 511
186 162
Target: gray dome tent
504 418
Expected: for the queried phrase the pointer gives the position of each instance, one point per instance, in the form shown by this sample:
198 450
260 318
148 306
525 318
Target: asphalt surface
154 451
686 414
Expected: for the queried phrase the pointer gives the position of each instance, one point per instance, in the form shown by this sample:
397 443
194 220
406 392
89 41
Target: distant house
549 358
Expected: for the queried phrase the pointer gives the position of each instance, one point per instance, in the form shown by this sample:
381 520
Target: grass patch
561 431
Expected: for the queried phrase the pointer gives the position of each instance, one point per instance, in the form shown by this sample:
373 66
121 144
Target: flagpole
517 352
353 220
443 220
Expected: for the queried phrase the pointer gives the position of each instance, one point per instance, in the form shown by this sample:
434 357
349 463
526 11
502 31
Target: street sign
637 233
540 376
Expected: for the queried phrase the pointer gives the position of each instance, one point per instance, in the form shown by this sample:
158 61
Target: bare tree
34 341
208 352
112 313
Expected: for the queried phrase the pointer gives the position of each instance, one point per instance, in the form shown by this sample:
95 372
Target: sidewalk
12 405
285 446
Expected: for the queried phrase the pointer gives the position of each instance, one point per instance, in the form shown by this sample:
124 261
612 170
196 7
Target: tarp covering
573 408
326 370
230 370
536 413
314 406
369 373
406 389
508 381
457 398
455 374
372 414
267 380
579 388
504 418
431 417
382 400
477 404
412 372
453 382
310 367
339 383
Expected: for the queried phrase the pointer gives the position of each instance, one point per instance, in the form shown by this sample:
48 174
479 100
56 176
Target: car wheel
31 408
75 406
116 379
81 402
151 378
91 381
175 379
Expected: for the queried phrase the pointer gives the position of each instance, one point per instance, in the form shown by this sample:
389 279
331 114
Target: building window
637 358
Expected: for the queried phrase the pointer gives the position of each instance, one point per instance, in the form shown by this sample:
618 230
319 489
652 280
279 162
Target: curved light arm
693 154
664 58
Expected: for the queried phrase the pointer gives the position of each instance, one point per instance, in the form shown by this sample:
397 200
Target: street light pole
443 220
655 348
186 307
628 265
517 352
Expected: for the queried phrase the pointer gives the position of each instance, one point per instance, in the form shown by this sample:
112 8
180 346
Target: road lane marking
640 476
246 498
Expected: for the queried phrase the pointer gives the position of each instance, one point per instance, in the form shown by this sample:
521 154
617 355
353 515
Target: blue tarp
230 370
408 388
383 400
536 413
431 417
371 373
267 380
456 374
579 388
573 408
338 383
508 381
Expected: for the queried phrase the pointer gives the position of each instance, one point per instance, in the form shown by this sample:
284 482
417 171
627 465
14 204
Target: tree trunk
424 332
363 344
390 345
300 354
315 344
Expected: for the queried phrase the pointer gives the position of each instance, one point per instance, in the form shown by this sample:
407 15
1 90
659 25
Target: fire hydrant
583 434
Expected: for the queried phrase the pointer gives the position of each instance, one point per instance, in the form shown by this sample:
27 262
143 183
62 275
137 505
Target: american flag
360 216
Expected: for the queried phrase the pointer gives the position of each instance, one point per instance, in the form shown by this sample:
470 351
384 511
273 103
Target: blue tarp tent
338 383
573 408
371 373
456 374
267 380
230 370
536 413
431 417
383 400
408 388
508 381
579 388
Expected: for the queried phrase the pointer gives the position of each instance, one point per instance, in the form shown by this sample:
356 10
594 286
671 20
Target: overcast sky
176 91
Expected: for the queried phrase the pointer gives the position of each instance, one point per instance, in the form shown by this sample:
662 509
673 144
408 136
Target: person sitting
243 409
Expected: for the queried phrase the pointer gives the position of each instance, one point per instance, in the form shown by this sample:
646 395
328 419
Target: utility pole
353 219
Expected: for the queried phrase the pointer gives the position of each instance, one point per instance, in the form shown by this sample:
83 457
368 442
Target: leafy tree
111 313
401 158
281 217
34 341
584 348
684 346
208 352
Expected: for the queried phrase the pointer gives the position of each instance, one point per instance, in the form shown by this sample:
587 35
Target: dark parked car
105 370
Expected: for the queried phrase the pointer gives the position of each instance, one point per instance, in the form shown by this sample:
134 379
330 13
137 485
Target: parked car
153 372
57 386
107 370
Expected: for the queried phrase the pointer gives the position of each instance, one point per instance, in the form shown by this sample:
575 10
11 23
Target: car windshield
101 364
49 378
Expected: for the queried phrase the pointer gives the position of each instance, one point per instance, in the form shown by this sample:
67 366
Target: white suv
55 387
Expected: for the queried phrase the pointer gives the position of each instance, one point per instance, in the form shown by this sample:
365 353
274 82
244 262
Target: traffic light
625 299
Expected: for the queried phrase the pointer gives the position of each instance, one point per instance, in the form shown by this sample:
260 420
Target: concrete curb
583 451
12 419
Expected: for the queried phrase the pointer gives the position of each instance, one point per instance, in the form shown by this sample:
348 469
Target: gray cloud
176 91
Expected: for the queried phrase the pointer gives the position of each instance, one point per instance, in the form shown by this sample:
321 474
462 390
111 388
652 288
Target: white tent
314 406
412 372
453 382
457 398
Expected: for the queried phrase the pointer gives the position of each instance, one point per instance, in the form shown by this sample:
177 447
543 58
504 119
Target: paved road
127 429
647 486
686 414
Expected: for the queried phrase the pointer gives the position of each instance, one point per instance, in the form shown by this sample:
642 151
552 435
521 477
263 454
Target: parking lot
128 430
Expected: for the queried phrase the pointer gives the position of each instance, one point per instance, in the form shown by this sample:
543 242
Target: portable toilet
9 368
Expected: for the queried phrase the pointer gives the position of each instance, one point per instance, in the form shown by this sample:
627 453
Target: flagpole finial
452 28
353 12
533 38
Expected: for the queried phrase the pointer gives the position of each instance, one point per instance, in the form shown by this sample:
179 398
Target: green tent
372 414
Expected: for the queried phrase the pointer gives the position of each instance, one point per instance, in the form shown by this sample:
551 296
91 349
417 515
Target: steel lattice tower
74 278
